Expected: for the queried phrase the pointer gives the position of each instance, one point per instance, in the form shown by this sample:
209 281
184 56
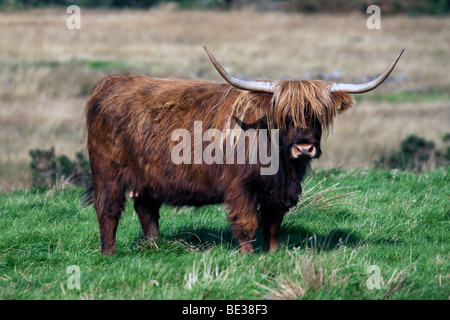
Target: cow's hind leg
109 204
147 210
109 200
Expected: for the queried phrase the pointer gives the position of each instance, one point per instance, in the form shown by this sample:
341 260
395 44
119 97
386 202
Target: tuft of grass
319 197
309 275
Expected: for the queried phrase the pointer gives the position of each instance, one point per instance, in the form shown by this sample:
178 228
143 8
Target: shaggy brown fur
130 121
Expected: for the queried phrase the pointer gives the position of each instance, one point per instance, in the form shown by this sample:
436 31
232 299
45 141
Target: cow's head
302 110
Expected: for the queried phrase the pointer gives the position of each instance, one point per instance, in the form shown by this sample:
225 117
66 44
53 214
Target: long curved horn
259 86
365 87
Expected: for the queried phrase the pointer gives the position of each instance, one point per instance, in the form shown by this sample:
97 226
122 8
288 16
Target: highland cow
134 123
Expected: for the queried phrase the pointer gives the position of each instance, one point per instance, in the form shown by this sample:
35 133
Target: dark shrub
47 169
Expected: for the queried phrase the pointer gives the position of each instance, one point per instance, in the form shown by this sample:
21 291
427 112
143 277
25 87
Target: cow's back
130 121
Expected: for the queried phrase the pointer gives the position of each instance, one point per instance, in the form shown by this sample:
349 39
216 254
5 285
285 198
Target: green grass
104 65
347 221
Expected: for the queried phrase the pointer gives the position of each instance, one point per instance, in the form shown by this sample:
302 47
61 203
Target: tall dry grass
46 71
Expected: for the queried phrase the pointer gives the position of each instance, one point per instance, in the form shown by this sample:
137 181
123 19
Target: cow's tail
87 198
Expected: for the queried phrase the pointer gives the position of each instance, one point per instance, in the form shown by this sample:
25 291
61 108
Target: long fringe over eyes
306 102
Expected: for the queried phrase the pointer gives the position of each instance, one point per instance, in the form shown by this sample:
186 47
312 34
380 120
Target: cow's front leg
147 210
271 220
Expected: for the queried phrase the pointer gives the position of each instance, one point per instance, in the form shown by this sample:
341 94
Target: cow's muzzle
304 151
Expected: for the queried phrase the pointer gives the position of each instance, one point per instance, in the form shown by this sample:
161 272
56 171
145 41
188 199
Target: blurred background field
47 70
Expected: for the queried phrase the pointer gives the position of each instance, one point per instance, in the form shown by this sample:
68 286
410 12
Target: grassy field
358 234
47 71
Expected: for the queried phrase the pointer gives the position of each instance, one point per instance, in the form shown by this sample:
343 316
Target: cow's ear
342 101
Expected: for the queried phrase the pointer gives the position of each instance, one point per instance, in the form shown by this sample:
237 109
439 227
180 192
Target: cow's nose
303 150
